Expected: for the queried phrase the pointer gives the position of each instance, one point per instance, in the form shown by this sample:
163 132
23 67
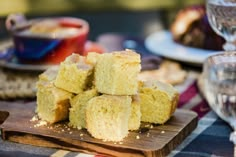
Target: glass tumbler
219 78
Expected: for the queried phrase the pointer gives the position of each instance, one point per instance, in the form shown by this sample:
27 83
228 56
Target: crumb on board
148 126
50 127
34 118
120 142
162 132
137 137
40 123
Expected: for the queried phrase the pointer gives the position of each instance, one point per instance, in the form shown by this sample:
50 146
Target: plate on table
10 61
13 63
161 43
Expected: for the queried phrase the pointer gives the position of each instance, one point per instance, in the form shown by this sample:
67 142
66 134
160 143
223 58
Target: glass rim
212 58
223 53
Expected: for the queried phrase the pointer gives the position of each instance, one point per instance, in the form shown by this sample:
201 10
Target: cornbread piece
50 74
158 101
135 117
107 117
116 73
77 110
168 72
92 57
52 102
74 74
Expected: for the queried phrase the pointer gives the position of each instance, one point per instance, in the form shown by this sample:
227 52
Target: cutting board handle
3 116
13 109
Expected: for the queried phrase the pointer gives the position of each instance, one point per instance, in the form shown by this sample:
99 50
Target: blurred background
129 17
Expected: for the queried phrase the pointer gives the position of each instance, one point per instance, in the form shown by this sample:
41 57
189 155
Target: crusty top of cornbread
58 93
168 88
92 57
50 74
74 58
79 61
127 55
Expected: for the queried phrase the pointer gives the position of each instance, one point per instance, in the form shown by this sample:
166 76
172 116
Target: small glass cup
219 78
222 17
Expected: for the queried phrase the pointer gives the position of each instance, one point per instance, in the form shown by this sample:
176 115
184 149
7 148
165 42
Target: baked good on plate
169 72
191 28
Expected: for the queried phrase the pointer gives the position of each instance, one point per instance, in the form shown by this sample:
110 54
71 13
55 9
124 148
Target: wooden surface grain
150 140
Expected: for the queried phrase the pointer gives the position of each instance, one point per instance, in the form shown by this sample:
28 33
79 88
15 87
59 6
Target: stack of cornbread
102 93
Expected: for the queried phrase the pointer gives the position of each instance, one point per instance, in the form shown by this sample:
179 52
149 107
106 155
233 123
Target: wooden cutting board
151 140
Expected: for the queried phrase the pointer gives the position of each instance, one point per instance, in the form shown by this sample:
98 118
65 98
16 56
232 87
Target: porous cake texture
74 74
78 106
107 117
50 74
52 103
158 101
135 116
92 57
116 73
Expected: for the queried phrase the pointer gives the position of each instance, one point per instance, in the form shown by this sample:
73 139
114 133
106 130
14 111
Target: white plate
161 43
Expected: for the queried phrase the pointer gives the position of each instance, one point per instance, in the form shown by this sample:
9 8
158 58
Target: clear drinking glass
219 76
222 17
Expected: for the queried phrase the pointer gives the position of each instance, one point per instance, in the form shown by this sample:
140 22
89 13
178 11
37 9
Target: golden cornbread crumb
92 57
107 117
50 74
40 123
74 74
158 101
135 117
34 118
116 73
77 110
52 102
